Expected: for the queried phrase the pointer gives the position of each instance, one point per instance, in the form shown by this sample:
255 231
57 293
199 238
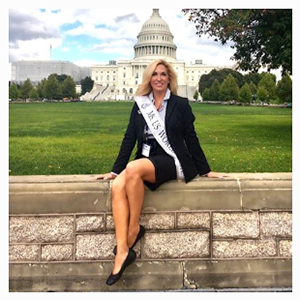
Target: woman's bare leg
127 200
120 209
136 172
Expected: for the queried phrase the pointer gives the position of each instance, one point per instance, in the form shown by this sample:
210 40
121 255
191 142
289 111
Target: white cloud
115 29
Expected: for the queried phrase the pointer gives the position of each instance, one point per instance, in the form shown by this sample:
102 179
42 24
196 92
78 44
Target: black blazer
181 133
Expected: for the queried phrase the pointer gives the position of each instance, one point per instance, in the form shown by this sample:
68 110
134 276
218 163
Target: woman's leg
120 209
127 201
136 172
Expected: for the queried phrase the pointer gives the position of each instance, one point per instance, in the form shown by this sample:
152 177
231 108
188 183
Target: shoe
113 278
139 236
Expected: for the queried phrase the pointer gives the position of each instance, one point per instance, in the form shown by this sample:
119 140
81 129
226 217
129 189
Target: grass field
84 138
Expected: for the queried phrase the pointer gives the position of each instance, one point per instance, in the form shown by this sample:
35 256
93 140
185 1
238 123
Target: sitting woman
162 124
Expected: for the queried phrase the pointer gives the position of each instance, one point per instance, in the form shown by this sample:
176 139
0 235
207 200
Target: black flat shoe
139 236
113 278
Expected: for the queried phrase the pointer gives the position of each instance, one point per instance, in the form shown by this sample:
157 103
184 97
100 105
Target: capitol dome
155 40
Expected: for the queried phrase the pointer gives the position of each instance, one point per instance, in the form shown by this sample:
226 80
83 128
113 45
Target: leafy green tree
245 94
52 88
196 95
25 89
268 81
215 90
33 94
253 77
206 94
284 89
86 85
207 80
60 78
68 87
260 37
41 88
13 91
262 94
229 89
253 87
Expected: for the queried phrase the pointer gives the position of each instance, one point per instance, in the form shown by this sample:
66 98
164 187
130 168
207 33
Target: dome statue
155 40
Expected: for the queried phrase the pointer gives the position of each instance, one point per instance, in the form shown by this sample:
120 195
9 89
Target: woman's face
160 79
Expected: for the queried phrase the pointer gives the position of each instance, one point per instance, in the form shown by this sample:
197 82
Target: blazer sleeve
191 140
128 143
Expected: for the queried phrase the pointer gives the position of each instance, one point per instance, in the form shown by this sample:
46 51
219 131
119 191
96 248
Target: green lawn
84 138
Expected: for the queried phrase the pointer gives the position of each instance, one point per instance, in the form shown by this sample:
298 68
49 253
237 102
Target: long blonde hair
145 87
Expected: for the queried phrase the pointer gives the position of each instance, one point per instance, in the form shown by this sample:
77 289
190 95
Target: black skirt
165 169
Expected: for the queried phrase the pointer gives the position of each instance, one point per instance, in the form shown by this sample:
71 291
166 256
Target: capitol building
118 80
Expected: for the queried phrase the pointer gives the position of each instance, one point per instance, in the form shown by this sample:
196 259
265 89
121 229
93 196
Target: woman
161 156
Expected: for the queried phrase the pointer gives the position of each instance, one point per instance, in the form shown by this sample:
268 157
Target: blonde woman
154 164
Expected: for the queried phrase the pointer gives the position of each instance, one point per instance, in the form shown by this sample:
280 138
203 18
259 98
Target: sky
92 36
96 32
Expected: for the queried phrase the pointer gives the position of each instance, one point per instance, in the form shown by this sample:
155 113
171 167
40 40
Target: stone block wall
61 234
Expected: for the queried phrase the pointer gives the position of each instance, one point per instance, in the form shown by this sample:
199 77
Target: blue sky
96 32
91 36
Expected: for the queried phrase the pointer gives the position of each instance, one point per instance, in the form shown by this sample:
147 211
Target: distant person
167 149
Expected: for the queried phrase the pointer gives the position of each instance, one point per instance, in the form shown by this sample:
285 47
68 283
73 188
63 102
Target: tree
260 37
52 88
206 94
215 90
229 89
207 80
284 89
253 88
196 95
25 89
86 85
68 87
245 94
13 91
41 88
253 77
262 94
268 82
60 78
33 94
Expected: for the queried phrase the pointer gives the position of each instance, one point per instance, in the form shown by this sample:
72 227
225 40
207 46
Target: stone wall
209 234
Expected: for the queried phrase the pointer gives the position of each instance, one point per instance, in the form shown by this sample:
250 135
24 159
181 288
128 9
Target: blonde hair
145 87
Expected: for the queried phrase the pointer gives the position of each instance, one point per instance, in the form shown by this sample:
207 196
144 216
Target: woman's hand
212 174
107 176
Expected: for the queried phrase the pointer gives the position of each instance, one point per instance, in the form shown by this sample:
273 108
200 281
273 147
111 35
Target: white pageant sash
157 127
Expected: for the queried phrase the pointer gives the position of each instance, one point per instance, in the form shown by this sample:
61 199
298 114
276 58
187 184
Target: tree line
55 87
228 85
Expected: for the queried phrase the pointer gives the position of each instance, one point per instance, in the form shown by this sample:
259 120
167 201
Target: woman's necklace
158 107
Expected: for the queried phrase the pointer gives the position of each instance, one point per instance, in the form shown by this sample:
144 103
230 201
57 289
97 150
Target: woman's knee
133 170
118 186
140 169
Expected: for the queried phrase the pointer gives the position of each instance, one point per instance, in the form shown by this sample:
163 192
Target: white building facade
37 70
119 80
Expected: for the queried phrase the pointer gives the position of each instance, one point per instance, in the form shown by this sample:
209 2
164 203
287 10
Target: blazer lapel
170 107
